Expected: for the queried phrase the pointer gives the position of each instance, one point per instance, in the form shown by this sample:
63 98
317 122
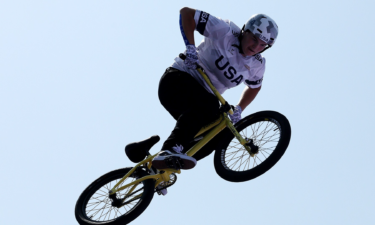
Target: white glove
236 114
191 57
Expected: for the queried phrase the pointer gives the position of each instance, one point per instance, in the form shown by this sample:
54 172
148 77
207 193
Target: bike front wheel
269 130
94 206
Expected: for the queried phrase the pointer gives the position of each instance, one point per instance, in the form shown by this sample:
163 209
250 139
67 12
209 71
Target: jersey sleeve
210 26
256 76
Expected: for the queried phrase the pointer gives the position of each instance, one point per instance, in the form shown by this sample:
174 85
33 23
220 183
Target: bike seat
137 151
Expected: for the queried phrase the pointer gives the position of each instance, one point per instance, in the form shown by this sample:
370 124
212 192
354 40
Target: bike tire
100 211
269 130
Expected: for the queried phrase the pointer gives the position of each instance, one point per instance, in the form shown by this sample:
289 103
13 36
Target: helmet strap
269 46
240 40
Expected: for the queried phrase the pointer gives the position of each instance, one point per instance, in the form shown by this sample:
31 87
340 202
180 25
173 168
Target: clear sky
79 80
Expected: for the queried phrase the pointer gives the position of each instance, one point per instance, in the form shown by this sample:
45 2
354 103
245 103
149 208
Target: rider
229 56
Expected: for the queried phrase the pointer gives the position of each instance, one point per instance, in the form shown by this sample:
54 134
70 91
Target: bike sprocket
163 185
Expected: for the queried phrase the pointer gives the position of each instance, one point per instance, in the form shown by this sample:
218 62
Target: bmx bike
243 152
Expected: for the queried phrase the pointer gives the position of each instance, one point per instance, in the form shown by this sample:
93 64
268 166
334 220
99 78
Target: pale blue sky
79 80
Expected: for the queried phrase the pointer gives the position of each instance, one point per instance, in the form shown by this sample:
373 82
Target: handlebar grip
182 56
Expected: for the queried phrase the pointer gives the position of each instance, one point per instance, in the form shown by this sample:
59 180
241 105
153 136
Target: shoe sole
159 162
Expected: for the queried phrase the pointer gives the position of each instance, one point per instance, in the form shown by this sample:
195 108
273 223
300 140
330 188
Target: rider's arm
206 24
248 96
188 23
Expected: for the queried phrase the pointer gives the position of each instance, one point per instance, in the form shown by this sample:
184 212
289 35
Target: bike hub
254 148
115 201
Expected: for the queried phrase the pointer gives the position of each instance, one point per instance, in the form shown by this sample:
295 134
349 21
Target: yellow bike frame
164 175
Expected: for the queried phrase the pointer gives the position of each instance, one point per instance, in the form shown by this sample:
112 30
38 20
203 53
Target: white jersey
220 58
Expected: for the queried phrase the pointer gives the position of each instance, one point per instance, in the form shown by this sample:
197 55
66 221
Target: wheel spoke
265 135
99 207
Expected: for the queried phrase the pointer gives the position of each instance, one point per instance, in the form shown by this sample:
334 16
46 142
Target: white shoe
161 160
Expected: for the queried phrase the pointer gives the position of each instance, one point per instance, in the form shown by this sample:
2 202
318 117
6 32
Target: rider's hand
191 60
236 114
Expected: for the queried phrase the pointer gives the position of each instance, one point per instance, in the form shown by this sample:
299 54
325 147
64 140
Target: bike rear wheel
94 207
269 130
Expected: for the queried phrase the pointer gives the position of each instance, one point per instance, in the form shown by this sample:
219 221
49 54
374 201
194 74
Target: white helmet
263 27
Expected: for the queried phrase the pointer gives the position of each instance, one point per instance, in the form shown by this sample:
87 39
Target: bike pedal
174 162
162 192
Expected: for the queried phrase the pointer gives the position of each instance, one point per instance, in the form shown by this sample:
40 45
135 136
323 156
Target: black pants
189 103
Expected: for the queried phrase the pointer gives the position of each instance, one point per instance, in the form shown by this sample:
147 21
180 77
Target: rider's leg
189 103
